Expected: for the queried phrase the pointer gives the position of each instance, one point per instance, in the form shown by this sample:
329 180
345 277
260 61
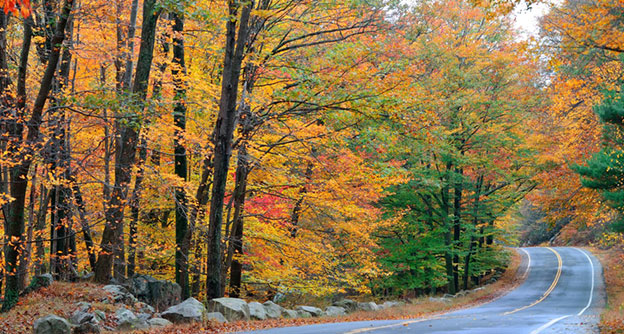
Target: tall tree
128 128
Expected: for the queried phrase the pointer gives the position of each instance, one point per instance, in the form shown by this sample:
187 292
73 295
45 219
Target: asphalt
563 293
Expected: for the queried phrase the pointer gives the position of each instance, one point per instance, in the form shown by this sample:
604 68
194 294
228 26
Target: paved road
563 293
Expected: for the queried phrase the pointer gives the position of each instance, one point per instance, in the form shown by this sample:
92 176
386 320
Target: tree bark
15 218
457 202
473 240
223 135
126 142
183 231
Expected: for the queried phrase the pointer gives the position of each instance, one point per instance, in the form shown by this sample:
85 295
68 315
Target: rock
51 324
368 306
144 316
164 294
159 322
145 308
139 286
83 306
314 311
461 294
120 294
232 308
257 311
81 317
303 314
216 316
289 314
279 297
86 277
390 304
335 311
273 311
161 294
100 315
348 304
40 281
439 300
189 310
87 328
126 320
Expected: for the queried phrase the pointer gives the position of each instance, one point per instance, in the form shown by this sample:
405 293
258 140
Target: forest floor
60 299
612 260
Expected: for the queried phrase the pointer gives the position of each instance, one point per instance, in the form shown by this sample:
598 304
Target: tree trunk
457 198
473 240
224 130
15 218
235 246
183 232
126 141
448 253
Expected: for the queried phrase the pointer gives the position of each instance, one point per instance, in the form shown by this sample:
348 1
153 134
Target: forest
259 147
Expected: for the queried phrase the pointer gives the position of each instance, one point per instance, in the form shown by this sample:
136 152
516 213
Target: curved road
563 293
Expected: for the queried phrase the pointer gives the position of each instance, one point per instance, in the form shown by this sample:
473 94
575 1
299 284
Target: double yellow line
550 289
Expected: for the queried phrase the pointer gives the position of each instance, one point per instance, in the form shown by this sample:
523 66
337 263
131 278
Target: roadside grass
416 308
612 318
60 299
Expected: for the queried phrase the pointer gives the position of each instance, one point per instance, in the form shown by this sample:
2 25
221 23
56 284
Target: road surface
563 293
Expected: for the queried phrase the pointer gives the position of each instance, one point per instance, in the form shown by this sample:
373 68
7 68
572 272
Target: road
563 293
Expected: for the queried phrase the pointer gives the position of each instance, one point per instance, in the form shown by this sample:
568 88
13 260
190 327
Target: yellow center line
550 289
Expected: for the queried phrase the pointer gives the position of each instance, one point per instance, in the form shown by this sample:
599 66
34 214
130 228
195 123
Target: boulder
83 306
303 314
189 310
80 317
139 286
273 311
289 314
51 324
144 316
314 311
257 311
335 311
160 294
439 300
126 320
232 308
100 315
119 294
164 294
390 304
348 304
279 297
87 328
368 306
216 316
145 308
158 322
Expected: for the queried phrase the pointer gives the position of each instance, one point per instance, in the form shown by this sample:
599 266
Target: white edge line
528 262
591 296
591 293
548 324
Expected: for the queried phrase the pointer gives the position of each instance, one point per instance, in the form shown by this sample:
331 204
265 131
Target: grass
612 318
60 299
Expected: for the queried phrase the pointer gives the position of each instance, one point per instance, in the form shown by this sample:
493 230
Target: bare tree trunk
25 262
15 219
224 130
183 231
235 246
128 133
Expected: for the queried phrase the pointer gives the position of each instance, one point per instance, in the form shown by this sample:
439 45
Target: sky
527 20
